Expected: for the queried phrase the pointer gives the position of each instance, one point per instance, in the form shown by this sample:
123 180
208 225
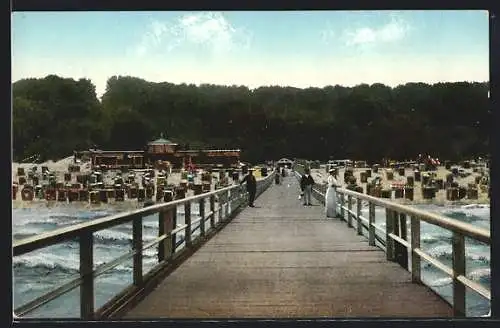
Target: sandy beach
320 176
59 168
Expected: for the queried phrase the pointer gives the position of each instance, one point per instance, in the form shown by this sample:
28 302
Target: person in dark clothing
277 177
251 186
306 184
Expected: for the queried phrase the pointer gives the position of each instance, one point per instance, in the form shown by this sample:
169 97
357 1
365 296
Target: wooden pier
284 260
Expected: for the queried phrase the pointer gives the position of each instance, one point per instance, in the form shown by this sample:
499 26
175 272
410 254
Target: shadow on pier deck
283 260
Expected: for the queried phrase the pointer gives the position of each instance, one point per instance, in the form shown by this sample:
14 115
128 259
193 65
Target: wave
444 252
435 238
118 238
113 237
476 206
33 287
146 225
465 216
152 224
441 282
43 217
46 263
150 252
482 275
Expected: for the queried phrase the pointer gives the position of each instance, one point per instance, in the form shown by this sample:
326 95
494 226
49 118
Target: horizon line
261 86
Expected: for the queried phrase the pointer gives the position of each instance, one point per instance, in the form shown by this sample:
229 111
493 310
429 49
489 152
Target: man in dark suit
306 184
251 186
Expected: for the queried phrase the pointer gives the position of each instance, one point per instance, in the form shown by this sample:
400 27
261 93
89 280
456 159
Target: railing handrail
57 236
463 228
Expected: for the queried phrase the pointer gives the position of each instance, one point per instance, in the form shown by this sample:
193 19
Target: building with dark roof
163 151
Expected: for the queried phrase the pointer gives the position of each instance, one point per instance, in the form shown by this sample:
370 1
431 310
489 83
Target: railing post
389 228
226 204
415 243
400 250
342 211
174 225
371 224
212 209
230 196
161 232
137 247
458 270
358 216
86 268
349 215
241 196
165 227
220 207
202 216
187 221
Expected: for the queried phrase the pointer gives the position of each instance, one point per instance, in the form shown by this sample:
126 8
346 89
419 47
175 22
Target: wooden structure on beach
158 152
117 159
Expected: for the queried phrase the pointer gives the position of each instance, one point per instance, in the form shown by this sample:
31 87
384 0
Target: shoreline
61 167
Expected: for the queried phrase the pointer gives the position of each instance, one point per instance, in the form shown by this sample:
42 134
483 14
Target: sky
294 48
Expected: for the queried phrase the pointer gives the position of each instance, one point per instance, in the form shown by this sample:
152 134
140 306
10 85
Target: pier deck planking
284 260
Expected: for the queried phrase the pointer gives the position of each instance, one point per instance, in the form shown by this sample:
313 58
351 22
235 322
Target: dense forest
54 116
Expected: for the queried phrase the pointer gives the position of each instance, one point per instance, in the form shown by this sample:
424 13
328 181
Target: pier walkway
282 259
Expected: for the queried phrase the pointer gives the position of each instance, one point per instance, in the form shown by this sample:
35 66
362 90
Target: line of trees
53 116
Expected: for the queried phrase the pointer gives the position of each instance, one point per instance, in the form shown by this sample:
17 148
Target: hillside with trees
53 116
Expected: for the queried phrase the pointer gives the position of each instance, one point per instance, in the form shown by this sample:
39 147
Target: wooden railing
222 205
397 246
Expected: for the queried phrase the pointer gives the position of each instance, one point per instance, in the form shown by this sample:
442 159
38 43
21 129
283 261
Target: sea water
38 272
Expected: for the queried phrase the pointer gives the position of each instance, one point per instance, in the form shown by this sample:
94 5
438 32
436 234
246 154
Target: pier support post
389 228
202 216
137 247
349 214
400 250
228 204
220 207
415 244
371 224
342 211
212 210
359 225
187 221
458 270
86 268
165 226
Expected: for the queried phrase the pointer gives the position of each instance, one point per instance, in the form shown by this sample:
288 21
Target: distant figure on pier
306 183
331 195
277 176
251 186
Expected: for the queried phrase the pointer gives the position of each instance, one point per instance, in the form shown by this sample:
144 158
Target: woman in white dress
331 197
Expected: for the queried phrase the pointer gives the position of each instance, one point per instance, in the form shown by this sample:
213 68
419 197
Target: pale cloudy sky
310 48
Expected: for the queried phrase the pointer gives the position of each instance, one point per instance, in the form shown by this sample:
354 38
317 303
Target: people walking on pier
331 195
251 186
306 183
